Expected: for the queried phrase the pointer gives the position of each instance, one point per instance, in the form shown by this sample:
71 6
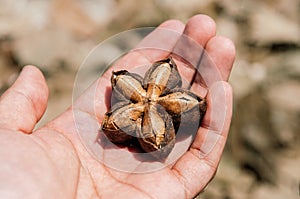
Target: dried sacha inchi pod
151 109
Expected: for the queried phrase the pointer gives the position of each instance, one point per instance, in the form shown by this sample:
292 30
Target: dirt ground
262 157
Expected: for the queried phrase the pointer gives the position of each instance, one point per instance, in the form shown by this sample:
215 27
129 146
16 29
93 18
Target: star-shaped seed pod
151 109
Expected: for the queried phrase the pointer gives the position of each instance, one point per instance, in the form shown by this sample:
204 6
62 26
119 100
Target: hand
52 162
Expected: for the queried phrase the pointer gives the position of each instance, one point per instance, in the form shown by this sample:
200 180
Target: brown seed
128 85
157 132
119 125
152 109
183 105
162 76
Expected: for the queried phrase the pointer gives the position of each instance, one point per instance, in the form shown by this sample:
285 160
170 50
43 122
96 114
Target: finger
196 168
155 46
190 47
200 28
221 51
160 43
100 92
217 117
216 62
24 103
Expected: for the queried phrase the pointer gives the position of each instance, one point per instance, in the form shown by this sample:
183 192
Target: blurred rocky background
262 155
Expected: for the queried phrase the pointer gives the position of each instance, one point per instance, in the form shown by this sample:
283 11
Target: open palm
52 162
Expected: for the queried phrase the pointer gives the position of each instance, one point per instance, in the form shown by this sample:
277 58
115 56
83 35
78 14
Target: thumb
24 103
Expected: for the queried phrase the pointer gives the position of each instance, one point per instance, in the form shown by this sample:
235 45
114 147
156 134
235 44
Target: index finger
97 96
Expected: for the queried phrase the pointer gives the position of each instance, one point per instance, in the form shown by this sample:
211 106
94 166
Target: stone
268 27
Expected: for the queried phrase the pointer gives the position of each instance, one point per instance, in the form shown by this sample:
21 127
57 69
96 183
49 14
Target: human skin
52 162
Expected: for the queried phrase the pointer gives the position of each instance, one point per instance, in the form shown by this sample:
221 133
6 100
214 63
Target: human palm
52 162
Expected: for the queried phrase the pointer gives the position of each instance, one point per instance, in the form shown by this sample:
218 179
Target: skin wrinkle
83 111
41 138
170 25
186 180
214 129
22 94
199 150
34 139
79 162
42 149
40 81
180 178
224 126
206 161
28 99
59 133
174 24
137 188
78 180
124 182
127 178
142 54
194 152
8 129
53 130
97 192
